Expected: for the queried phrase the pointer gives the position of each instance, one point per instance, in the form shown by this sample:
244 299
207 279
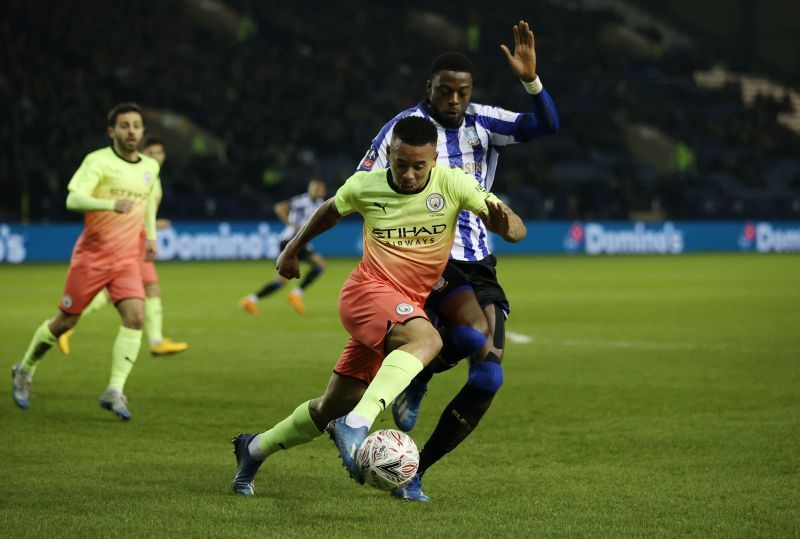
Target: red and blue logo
747 239
575 238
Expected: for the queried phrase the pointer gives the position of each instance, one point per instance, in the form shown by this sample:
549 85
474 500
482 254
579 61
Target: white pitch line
656 345
518 338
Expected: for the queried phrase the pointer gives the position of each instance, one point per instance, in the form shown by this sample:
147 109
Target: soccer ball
388 459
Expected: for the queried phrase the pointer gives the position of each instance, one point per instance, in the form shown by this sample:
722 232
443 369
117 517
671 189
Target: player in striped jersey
294 213
471 136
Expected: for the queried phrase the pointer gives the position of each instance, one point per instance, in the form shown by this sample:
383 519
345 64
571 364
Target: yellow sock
124 355
296 429
43 340
397 371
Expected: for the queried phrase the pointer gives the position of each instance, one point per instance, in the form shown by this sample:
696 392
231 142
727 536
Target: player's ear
435 158
428 86
110 131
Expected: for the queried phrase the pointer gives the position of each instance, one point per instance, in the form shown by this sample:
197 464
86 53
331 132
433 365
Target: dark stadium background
669 110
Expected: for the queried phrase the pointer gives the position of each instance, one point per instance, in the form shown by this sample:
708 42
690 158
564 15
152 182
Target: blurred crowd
294 90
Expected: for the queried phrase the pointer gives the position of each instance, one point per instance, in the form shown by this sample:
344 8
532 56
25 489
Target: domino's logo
12 246
747 239
575 238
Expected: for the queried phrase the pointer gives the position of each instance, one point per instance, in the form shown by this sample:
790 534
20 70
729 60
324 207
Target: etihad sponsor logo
767 238
408 232
125 193
595 239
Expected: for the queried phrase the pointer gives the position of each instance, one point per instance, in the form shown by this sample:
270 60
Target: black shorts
481 276
305 253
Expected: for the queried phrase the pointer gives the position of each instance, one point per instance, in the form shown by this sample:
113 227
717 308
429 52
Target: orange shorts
368 310
148 271
86 277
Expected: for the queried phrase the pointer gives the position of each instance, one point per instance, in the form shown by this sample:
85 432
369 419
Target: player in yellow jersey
410 212
154 318
113 188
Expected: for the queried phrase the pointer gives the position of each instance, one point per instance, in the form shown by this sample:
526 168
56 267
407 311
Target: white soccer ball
388 459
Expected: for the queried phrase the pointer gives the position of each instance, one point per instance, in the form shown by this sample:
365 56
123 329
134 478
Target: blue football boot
412 491
405 407
246 466
21 386
348 440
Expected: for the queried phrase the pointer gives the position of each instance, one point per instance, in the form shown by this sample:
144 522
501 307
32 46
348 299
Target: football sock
124 355
43 340
464 412
268 289
296 429
311 276
99 301
153 320
459 418
397 370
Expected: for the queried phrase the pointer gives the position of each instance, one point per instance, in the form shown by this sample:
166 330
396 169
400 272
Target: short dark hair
152 141
416 131
122 108
452 61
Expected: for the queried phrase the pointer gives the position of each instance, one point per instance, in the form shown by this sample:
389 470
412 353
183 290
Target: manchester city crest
434 202
148 177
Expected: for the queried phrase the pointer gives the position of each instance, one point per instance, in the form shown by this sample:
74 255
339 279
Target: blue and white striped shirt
301 208
473 147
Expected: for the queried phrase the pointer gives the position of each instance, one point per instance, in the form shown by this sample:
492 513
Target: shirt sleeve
346 197
471 195
82 186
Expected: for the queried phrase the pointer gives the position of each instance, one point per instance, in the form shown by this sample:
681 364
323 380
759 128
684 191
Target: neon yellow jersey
105 175
408 236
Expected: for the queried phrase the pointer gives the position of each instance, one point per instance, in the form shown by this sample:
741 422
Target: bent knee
486 375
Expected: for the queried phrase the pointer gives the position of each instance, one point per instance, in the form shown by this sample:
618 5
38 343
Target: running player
154 313
114 189
470 137
410 213
294 213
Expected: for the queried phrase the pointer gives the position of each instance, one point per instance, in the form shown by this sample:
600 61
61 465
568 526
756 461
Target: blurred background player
471 137
294 213
154 313
114 188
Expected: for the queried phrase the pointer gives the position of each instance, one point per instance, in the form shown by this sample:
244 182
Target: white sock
254 449
355 421
253 298
297 291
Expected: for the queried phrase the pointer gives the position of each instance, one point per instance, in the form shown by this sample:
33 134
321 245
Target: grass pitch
644 396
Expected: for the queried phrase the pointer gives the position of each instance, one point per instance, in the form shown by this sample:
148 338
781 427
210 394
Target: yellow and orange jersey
105 175
408 236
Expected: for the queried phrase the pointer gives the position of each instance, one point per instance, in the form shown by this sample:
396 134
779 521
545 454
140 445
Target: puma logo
128 359
381 206
383 403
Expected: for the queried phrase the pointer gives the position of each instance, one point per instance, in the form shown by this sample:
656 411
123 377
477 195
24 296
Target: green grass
658 397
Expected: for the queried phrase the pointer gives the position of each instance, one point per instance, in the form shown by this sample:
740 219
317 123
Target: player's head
412 152
450 87
126 127
316 188
154 147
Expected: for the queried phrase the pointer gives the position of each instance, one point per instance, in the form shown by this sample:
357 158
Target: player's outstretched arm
504 222
323 219
80 202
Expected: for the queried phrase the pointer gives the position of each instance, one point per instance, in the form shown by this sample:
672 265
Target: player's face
157 152
411 165
127 132
450 92
316 189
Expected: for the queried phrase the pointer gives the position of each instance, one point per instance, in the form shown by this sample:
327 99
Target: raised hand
150 250
523 61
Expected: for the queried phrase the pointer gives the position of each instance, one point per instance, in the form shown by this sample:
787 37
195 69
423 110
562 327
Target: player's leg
99 301
295 297
85 279
464 332
250 302
303 425
154 315
410 345
127 292
465 411
45 336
